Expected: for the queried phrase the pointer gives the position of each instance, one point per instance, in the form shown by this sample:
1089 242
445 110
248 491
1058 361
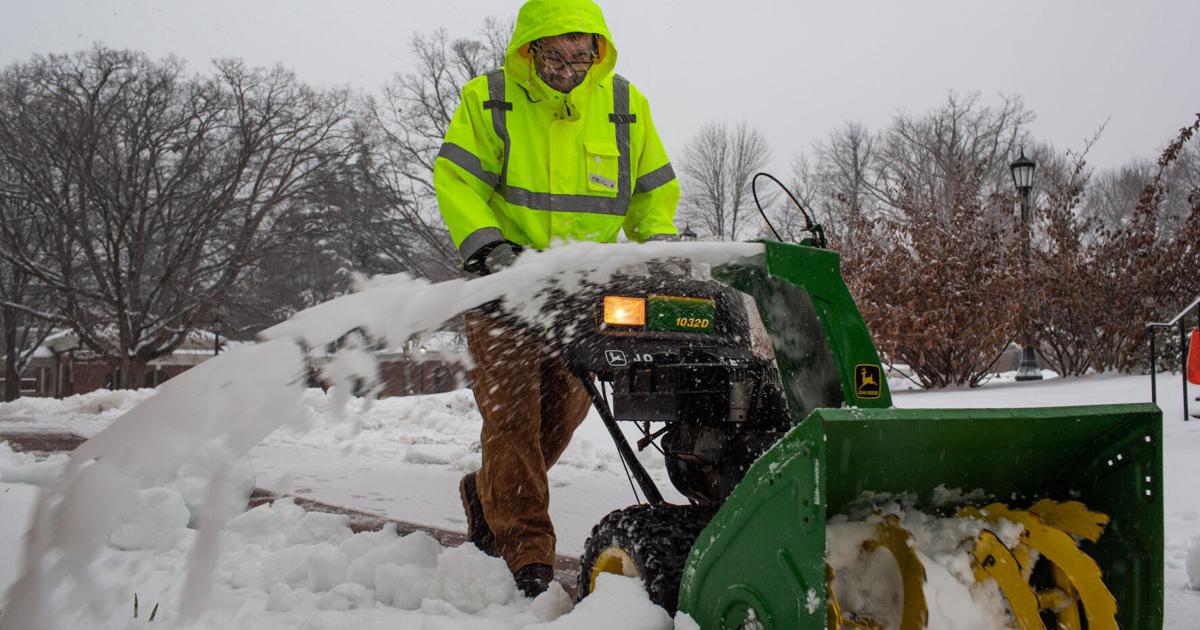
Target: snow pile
307 560
471 581
25 468
868 582
223 406
16 505
154 521
86 414
619 602
282 567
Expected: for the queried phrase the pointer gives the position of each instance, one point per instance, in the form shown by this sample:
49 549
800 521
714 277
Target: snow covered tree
26 311
157 190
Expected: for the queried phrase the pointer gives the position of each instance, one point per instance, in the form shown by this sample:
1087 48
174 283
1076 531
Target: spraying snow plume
233 401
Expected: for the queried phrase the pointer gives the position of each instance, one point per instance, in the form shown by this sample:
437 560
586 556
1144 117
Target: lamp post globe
1022 173
1023 169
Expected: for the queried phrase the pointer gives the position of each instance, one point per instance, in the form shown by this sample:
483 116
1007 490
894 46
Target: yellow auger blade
994 560
890 535
1072 517
833 610
1068 614
1053 599
1057 547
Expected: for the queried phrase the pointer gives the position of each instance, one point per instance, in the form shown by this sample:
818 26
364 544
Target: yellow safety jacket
525 163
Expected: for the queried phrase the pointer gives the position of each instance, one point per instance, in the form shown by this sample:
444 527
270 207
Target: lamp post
687 234
216 324
1022 174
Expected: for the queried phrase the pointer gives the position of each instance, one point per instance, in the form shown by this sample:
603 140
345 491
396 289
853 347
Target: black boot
534 579
478 531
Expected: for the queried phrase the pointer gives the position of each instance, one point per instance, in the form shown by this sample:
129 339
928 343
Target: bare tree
789 222
157 190
929 158
1112 194
845 168
400 138
717 165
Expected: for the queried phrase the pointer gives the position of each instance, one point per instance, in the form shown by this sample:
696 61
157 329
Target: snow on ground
16 503
281 568
284 568
409 453
401 458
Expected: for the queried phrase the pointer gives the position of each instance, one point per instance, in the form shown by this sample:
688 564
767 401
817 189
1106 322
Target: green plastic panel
765 550
820 338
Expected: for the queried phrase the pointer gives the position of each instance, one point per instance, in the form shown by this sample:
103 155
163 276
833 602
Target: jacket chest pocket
602 166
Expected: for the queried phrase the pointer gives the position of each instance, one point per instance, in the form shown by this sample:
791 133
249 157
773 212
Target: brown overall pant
531 405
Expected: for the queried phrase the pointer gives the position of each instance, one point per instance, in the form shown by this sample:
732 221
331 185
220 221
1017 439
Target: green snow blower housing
1084 482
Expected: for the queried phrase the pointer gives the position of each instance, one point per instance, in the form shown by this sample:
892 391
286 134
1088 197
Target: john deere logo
866 380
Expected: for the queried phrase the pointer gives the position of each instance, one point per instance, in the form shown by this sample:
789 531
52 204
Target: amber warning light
624 311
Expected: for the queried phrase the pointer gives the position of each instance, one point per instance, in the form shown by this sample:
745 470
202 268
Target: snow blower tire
647 542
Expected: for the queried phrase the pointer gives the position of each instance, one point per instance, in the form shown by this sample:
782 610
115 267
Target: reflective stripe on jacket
526 163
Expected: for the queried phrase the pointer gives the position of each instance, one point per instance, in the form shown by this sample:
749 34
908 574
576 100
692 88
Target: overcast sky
794 69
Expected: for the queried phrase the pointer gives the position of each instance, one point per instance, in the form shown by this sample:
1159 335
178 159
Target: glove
500 257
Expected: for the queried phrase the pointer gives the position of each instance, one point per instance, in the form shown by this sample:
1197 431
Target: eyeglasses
556 62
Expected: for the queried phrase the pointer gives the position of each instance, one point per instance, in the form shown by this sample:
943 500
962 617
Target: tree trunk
12 380
133 373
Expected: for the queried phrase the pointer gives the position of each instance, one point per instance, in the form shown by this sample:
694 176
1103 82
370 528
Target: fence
1180 320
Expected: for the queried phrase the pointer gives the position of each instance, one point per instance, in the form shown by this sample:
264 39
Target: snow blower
762 388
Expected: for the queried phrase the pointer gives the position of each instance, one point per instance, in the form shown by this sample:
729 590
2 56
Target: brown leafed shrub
927 288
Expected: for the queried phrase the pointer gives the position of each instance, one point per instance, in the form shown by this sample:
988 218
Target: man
551 147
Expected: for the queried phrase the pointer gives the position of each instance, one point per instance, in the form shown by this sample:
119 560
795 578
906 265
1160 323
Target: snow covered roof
198 342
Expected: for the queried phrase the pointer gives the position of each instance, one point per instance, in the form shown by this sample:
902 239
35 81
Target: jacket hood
547 18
